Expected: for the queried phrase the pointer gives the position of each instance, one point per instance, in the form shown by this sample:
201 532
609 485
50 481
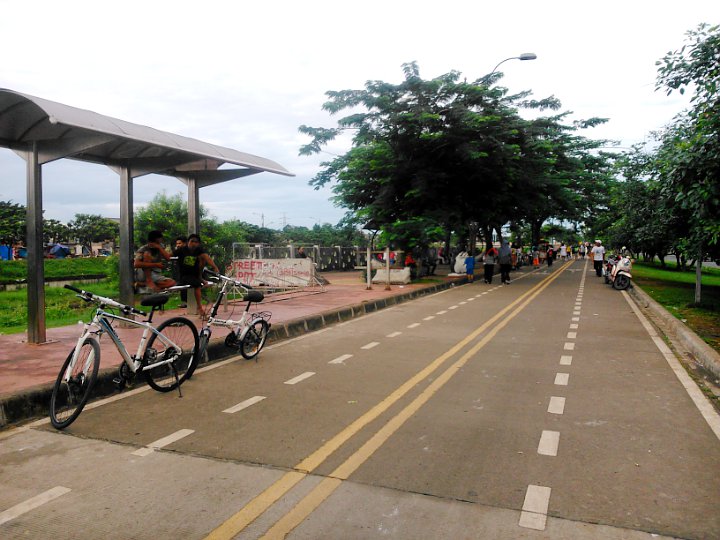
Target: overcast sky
245 75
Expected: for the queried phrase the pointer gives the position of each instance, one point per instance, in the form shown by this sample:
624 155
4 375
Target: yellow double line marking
322 491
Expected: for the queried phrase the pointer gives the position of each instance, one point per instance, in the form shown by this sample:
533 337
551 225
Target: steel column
193 205
127 295
34 236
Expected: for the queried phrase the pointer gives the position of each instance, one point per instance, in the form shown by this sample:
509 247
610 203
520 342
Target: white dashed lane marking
562 379
300 378
565 360
414 325
244 404
549 442
394 334
569 346
161 443
370 345
557 405
32 503
535 507
340 359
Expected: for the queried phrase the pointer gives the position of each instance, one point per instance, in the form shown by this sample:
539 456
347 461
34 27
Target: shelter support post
34 232
193 205
127 295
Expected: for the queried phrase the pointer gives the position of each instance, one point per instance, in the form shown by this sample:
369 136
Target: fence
326 258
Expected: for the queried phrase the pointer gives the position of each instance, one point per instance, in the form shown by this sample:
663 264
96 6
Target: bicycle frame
102 323
213 320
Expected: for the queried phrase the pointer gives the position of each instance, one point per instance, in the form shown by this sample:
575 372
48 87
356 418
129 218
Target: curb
701 351
35 401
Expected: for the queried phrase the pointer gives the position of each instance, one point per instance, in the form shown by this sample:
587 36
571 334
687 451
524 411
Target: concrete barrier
701 351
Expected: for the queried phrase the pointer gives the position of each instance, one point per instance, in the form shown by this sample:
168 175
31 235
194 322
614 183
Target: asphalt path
542 409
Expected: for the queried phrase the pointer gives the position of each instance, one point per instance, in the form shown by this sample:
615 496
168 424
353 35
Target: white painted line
565 360
161 443
569 346
370 345
443 312
578 304
414 325
535 507
577 319
557 405
340 359
572 335
470 299
462 303
394 334
245 404
549 442
453 307
574 326
299 378
429 318
561 379
576 313
32 503
479 295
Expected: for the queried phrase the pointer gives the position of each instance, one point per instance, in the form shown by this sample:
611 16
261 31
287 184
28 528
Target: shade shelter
41 131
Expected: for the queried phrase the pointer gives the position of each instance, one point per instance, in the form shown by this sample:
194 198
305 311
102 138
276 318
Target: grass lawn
63 307
675 291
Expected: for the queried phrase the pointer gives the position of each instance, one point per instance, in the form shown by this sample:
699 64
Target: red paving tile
23 365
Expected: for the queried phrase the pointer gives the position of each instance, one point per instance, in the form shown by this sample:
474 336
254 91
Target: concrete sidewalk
27 372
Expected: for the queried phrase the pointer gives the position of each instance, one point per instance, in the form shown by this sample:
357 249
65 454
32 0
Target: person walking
489 262
505 259
598 256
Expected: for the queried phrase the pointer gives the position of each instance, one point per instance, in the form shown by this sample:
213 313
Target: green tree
166 213
448 151
55 231
689 154
13 218
88 228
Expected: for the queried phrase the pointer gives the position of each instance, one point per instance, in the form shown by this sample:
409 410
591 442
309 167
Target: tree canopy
453 154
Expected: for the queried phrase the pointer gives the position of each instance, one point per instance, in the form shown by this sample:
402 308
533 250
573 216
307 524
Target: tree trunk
698 274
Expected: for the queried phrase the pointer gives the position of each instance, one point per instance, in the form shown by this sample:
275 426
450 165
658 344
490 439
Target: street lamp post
523 56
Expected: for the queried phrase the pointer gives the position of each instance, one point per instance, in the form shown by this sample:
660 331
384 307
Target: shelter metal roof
65 131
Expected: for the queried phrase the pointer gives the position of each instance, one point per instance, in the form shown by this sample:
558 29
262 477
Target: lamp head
528 56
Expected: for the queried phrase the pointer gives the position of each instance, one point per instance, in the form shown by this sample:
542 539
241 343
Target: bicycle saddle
155 300
254 296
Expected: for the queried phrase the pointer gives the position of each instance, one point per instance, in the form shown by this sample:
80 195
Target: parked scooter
618 272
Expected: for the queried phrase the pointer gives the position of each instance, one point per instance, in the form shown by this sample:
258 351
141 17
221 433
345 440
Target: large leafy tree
12 222
88 228
689 155
449 153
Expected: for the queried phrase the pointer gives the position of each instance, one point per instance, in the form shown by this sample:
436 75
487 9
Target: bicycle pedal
119 382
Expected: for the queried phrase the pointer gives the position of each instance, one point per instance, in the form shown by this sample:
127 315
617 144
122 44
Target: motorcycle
618 272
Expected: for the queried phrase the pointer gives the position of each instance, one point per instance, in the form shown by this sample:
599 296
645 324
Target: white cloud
246 75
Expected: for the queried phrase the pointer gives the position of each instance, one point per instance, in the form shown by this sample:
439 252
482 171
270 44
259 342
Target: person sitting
148 264
191 259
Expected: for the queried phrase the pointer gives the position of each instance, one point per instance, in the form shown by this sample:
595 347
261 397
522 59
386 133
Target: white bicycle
166 355
247 334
